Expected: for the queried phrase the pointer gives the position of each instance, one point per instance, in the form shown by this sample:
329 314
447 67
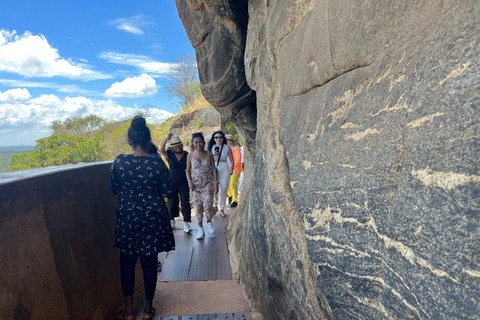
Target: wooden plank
177 263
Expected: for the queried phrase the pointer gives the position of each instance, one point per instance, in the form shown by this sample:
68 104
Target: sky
69 58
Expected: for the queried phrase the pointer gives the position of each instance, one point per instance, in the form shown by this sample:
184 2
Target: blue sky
61 59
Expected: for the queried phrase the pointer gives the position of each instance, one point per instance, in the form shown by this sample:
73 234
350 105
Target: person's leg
173 202
149 268
240 185
185 200
233 187
127 276
224 181
207 203
198 206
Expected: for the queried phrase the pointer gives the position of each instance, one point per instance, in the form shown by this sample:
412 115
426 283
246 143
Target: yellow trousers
233 187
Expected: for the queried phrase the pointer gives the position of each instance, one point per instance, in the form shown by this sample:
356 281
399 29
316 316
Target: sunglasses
219 137
196 135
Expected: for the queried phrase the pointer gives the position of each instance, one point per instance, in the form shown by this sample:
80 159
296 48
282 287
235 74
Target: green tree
60 149
78 126
231 129
183 83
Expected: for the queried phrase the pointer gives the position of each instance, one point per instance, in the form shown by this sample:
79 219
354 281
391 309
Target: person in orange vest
237 169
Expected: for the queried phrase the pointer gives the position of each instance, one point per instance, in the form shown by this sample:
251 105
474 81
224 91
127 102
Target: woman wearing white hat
177 162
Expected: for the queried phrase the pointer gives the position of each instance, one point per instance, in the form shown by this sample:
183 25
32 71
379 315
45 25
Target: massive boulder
364 178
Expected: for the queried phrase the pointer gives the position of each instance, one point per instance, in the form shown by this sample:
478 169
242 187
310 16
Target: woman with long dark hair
221 152
143 223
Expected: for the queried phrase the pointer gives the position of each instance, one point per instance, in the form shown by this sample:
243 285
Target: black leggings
127 270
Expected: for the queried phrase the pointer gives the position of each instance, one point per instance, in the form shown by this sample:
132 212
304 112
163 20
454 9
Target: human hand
230 171
191 185
216 152
216 188
169 135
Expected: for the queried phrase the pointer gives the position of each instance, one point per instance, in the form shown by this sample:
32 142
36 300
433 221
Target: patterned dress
143 223
202 179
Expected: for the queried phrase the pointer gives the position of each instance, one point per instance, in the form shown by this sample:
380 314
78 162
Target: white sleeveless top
223 155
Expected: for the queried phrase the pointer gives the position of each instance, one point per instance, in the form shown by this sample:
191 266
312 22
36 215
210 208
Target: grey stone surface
217 31
361 198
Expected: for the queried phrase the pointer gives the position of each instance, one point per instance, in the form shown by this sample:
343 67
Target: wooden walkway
196 279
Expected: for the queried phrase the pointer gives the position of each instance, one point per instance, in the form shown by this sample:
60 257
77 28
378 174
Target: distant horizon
17 145
106 58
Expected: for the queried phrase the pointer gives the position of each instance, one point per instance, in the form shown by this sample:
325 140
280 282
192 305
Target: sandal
222 213
122 316
151 313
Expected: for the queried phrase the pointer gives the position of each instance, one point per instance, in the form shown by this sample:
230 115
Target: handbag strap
220 155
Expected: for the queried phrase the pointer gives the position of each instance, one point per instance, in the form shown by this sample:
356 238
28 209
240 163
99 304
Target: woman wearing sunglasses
218 146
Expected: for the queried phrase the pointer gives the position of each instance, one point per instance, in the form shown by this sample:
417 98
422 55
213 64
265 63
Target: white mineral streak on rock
311 137
360 135
397 106
445 180
456 72
349 125
306 164
420 121
351 204
405 251
348 166
347 99
472 273
372 303
293 183
383 76
393 83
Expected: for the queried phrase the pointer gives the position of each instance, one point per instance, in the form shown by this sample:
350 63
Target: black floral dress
143 223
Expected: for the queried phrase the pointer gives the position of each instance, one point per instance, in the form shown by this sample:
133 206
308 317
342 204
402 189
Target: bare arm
163 150
188 171
232 162
212 161
214 171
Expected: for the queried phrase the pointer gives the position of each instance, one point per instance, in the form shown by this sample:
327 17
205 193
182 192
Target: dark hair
139 134
153 149
212 140
196 135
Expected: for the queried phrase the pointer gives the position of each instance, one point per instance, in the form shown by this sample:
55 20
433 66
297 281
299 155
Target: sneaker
200 234
229 200
187 228
234 204
210 227
172 223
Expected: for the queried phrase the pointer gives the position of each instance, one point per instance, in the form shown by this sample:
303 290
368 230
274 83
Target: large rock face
364 186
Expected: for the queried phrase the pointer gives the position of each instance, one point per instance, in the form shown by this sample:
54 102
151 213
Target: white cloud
15 95
141 86
23 122
144 63
31 55
131 24
70 88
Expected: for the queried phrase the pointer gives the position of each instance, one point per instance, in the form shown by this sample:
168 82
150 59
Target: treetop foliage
183 83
